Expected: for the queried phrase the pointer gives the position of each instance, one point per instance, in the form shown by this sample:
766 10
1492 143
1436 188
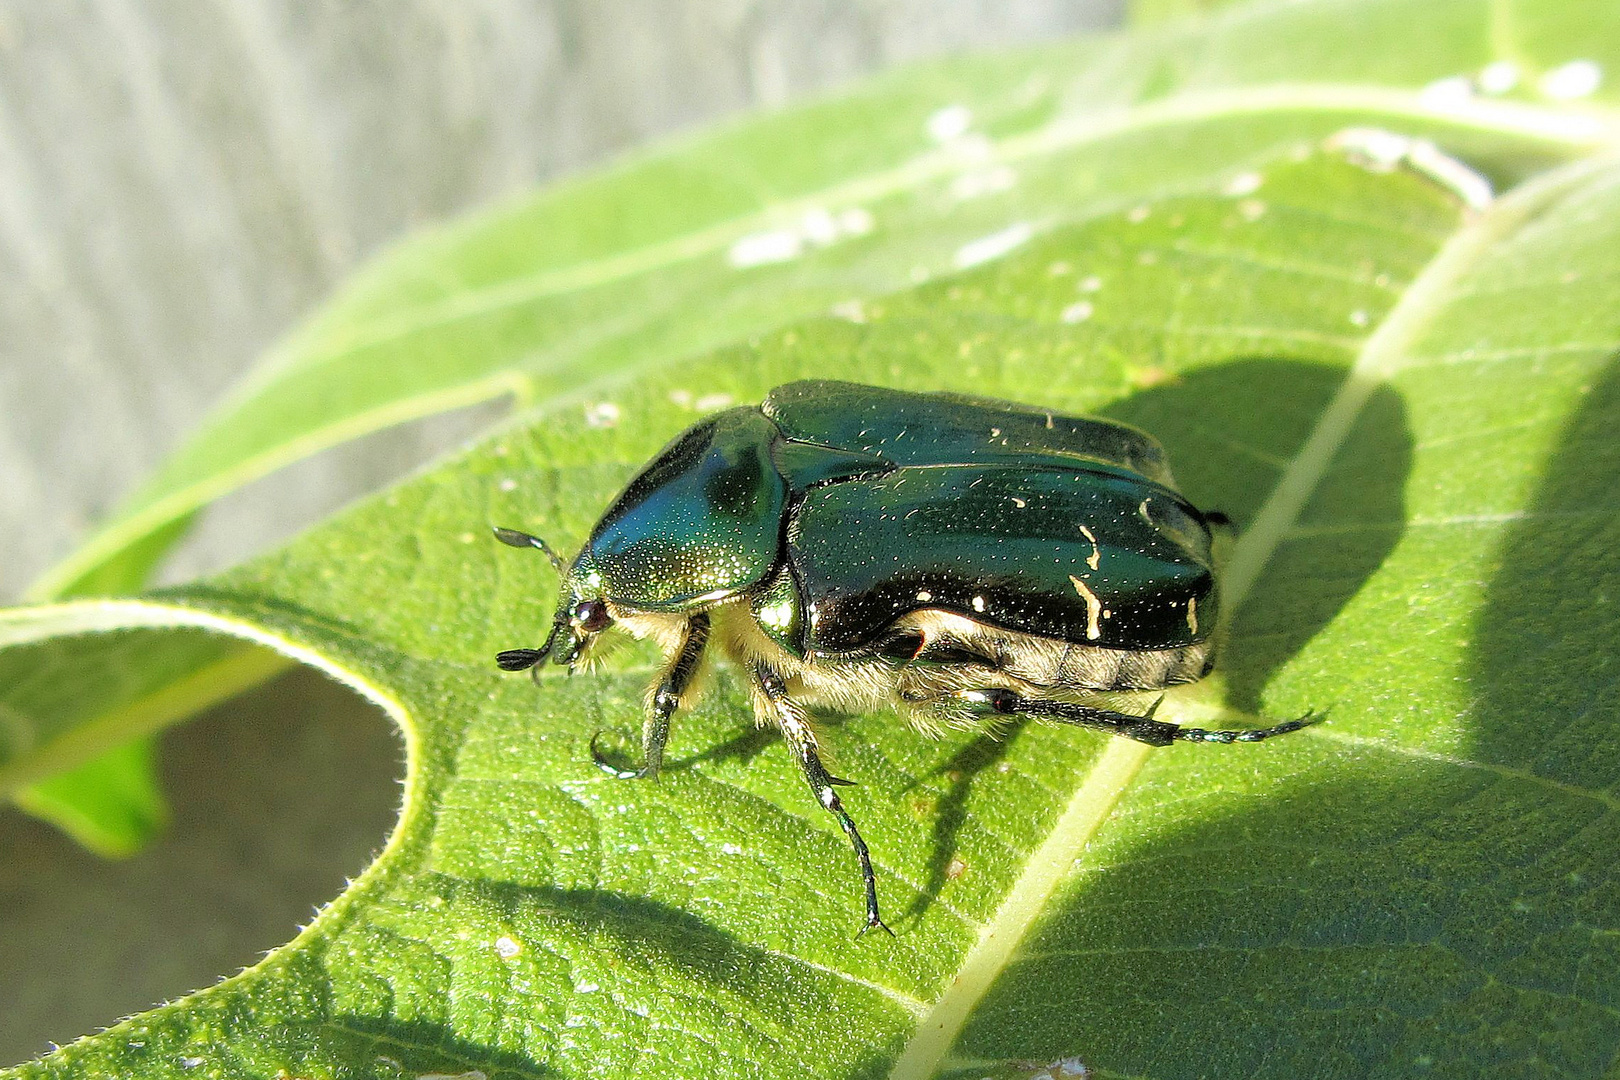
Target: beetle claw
873 921
839 781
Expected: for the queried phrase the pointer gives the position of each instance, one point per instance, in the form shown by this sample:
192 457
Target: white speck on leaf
1499 76
1252 209
994 246
1449 172
1576 79
949 123
602 414
1089 284
1451 92
712 401
190 1062
586 988
508 484
1138 214
1077 312
1243 184
1358 318
765 248
984 182
731 849
1380 151
856 221
819 226
852 310
506 948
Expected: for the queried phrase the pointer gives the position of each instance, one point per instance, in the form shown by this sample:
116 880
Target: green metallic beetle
854 547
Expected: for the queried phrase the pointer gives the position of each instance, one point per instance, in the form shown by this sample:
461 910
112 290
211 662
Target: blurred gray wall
180 180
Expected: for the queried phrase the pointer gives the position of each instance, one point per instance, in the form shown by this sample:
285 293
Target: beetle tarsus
1250 734
1143 729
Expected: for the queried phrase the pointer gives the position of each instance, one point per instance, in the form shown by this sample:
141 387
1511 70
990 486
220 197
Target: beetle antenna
519 659
513 538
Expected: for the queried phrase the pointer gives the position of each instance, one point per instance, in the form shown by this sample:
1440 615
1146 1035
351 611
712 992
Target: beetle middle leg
681 669
1143 729
801 741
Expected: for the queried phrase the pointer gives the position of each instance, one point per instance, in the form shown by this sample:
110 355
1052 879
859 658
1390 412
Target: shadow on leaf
1545 661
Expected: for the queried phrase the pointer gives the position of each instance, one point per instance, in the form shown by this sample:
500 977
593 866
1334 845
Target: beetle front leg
801 741
1143 729
665 699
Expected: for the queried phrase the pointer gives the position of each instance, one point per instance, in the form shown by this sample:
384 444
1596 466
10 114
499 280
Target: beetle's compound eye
591 616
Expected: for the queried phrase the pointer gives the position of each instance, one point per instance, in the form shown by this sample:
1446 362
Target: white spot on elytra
506 948
925 596
1243 184
1576 79
1077 312
984 182
1499 76
1448 93
1358 318
949 123
994 246
1093 607
765 248
978 603
1090 283
603 414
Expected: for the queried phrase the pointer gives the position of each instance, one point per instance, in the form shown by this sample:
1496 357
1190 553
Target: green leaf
1403 392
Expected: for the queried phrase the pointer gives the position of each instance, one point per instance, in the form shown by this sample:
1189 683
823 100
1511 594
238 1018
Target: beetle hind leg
679 674
771 691
1144 729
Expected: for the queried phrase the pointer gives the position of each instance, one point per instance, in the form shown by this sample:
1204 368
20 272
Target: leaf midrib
1121 762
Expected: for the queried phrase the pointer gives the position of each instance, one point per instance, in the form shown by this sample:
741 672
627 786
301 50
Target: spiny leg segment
682 668
801 742
1143 729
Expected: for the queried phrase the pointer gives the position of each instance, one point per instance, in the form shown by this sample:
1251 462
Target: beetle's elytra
849 546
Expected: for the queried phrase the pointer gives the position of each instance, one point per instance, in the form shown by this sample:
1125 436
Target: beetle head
582 612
